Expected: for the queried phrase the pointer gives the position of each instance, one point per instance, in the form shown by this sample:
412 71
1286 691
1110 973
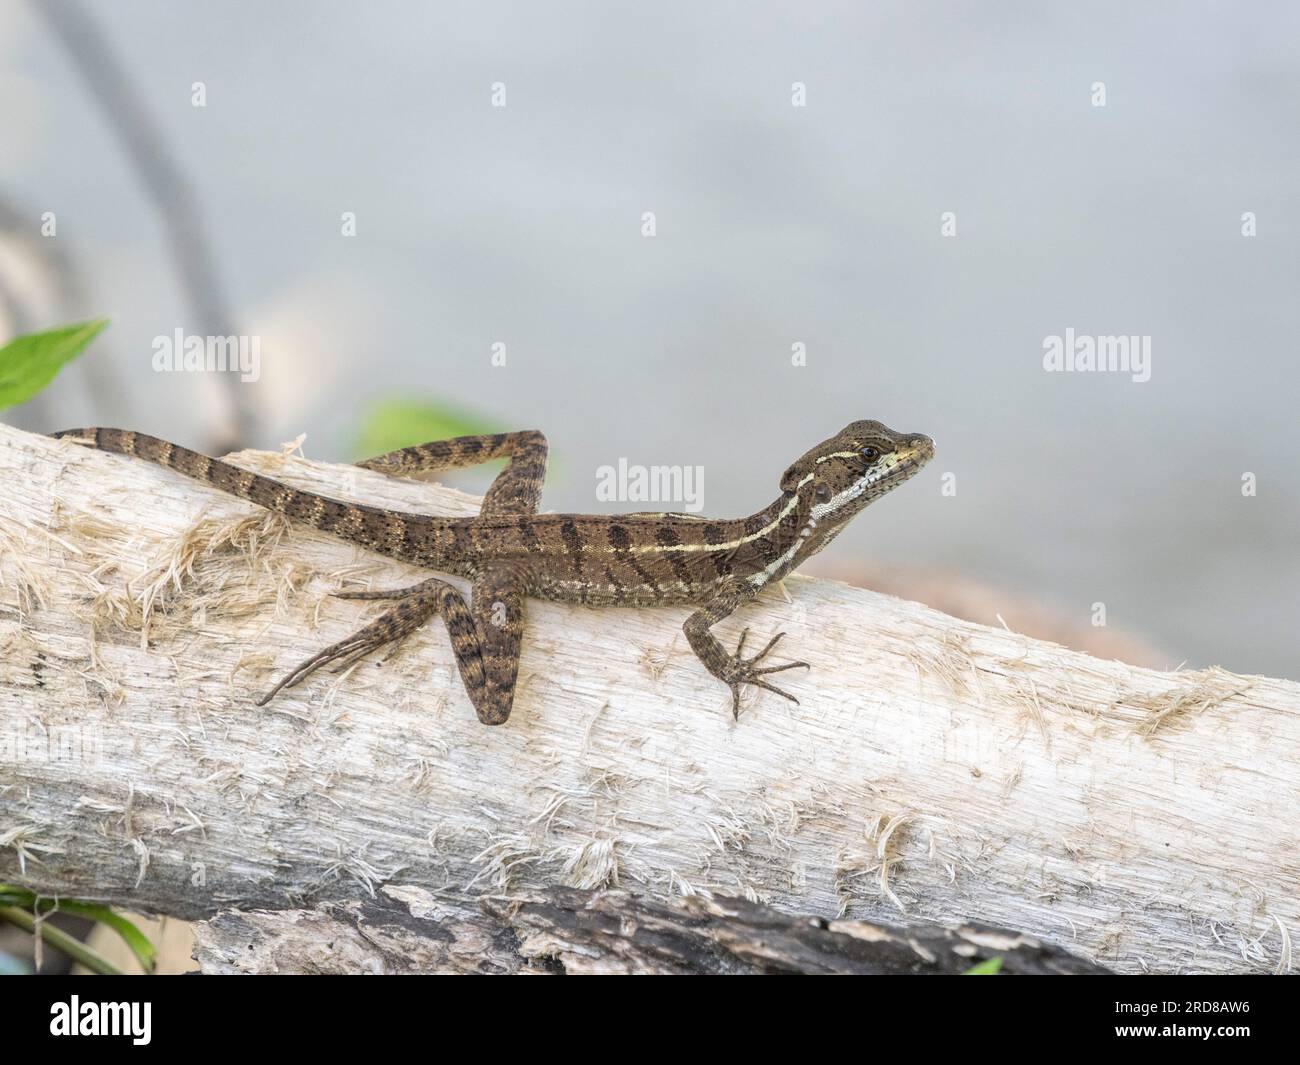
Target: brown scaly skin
511 553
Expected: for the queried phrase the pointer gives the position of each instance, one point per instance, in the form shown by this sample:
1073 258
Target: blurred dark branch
166 185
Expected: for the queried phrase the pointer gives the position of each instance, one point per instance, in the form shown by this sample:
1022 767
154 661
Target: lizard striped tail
381 530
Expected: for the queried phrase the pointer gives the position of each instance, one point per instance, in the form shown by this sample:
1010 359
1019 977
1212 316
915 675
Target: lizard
509 552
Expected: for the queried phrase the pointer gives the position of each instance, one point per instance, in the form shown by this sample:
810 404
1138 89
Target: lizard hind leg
485 637
416 605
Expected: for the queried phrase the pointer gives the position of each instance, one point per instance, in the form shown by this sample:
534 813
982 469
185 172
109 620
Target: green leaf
139 943
16 896
21 898
60 940
393 424
991 967
28 363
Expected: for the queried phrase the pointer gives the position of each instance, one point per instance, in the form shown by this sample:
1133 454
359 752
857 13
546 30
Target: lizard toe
781 668
378 593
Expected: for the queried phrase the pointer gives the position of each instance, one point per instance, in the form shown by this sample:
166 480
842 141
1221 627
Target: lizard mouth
911 458
920 449
900 471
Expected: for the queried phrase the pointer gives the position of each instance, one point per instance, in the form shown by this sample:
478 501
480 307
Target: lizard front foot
739 670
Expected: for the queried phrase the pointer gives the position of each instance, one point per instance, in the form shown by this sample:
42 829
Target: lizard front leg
485 636
732 669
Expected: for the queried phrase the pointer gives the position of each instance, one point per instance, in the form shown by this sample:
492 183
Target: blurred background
202 162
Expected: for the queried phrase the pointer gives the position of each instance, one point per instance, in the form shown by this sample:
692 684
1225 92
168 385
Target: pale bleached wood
936 770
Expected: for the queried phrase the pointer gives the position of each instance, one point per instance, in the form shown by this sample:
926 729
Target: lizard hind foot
390 627
351 647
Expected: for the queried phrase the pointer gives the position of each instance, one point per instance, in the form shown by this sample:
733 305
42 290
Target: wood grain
936 770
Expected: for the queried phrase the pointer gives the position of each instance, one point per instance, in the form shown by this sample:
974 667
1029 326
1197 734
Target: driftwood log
936 771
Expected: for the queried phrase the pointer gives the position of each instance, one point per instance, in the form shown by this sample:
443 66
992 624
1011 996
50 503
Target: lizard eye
870 453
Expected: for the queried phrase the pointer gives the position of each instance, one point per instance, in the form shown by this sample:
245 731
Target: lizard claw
742 670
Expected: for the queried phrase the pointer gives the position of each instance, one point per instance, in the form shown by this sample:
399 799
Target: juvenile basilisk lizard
510 553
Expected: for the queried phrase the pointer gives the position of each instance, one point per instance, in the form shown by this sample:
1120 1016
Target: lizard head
842 475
